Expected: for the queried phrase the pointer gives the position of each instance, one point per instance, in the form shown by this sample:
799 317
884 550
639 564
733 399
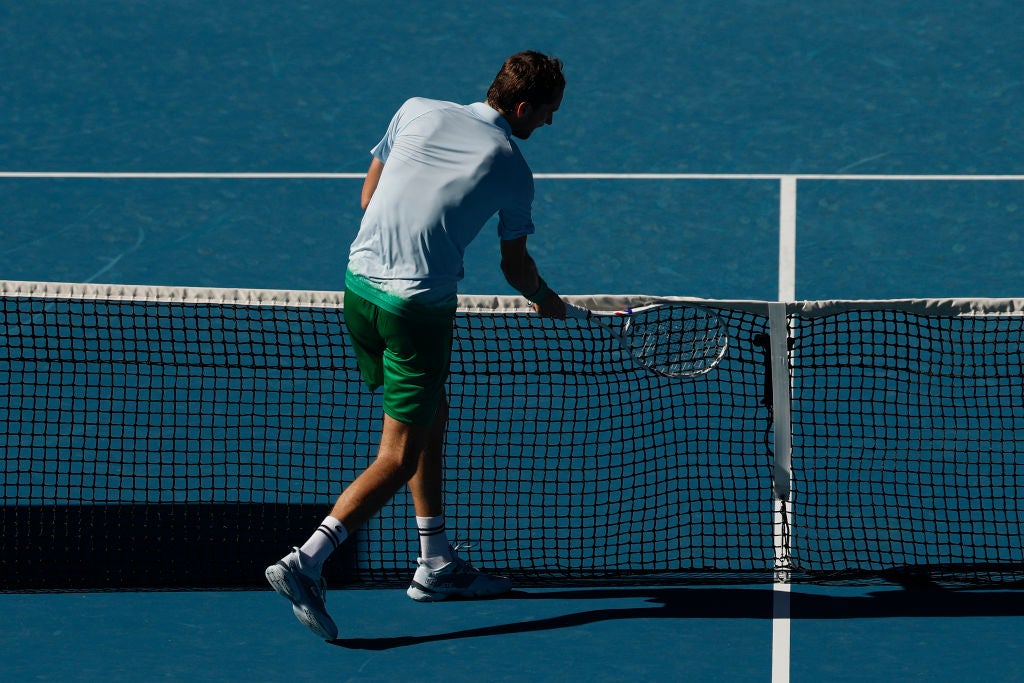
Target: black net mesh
180 443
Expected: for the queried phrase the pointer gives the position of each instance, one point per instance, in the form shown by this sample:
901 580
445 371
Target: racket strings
676 340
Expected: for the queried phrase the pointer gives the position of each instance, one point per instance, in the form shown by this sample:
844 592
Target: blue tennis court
658 95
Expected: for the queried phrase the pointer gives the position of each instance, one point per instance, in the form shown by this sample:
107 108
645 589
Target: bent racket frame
671 339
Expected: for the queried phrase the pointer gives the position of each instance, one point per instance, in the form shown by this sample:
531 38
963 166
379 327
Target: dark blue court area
739 87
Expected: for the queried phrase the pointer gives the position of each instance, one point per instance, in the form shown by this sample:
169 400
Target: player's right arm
520 271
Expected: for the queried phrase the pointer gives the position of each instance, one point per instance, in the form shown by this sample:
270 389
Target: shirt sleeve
515 219
383 148
514 224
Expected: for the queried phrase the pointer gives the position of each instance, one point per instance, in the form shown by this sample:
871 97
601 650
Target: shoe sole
277 577
422 594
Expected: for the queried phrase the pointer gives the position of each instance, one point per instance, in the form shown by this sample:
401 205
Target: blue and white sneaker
306 590
457 579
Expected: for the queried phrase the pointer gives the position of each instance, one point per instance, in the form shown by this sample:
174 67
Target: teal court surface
739 151
678 633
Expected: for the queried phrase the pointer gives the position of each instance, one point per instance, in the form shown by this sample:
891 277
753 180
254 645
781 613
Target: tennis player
439 174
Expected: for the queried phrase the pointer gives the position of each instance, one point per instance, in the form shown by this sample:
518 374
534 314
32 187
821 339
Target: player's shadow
727 603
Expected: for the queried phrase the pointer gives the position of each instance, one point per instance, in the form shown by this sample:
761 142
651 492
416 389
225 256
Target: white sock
434 548
325 540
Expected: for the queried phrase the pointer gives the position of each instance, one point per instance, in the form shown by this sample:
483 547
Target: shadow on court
729 603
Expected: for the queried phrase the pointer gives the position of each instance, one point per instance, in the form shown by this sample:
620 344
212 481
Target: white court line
772 176
172 175
543 176
780 633
787 239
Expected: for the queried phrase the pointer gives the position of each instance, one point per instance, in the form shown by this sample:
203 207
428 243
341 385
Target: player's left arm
370 183
520 271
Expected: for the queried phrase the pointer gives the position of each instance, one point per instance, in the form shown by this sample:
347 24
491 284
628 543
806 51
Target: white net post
783 446
781 491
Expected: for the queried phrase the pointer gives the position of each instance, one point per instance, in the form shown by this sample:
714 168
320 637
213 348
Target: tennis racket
672 340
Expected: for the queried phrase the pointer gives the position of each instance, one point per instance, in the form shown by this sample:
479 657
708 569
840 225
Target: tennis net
185 438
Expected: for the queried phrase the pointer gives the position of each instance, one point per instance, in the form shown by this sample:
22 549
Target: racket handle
574 311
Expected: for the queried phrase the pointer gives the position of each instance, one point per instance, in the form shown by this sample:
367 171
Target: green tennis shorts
408 357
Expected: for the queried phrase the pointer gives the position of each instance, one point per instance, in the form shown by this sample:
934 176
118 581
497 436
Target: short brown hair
526 77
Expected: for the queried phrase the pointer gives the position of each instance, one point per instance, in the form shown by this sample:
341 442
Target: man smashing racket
441 171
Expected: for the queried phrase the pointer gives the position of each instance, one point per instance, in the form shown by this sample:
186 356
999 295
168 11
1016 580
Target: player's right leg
297 576
302 584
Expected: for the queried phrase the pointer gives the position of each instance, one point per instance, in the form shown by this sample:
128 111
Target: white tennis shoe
457 579
306 590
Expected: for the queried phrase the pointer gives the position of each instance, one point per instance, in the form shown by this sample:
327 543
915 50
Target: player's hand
551 307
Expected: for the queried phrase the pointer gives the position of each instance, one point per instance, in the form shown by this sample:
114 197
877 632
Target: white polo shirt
448 168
